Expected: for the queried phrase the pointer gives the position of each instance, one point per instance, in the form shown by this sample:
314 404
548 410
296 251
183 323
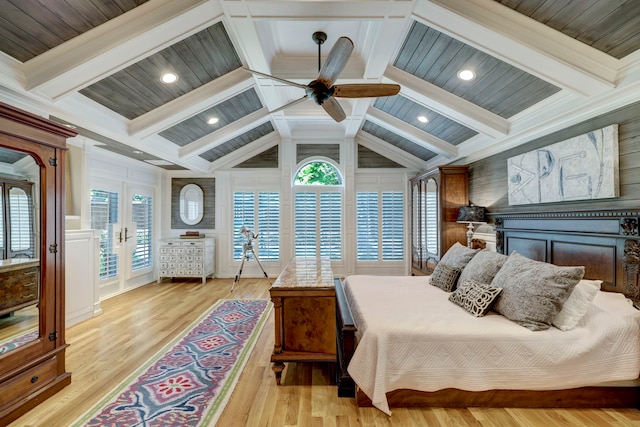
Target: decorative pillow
458 255
575 307
445 277
483 267
476 298
533 292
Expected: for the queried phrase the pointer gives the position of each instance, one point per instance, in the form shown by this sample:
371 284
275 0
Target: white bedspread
411 337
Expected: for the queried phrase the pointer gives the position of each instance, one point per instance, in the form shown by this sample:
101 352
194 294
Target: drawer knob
34 379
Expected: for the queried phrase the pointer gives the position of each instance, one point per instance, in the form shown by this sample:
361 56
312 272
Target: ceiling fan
322 90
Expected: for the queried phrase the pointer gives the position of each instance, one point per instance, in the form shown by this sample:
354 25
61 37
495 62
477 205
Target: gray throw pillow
458 255
483 267
533 292
476 298
444 277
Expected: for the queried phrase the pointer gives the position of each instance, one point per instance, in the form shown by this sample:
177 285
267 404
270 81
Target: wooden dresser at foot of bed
304 308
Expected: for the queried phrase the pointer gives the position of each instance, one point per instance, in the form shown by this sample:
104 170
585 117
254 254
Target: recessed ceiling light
169 77
422 119
213 120
466 75
70 126
137 152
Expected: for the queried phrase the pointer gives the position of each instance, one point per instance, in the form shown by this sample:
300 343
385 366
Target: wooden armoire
436 196
32 344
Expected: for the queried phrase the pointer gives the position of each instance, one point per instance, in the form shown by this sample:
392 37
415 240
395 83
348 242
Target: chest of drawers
186 258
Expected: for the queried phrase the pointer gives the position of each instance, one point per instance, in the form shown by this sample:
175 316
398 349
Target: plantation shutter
269 226
2 248
20 218
367 226
104 214
392 226
305 224
430 220
331 225
243 216
141 208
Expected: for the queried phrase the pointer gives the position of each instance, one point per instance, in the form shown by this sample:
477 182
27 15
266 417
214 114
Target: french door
124 215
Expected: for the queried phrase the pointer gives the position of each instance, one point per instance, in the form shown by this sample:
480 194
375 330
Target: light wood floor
105 349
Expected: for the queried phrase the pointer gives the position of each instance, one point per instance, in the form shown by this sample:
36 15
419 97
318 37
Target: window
104 214
318 173
17 228
379 214
21 220
142 217
318 211
367 226
267 206
392 226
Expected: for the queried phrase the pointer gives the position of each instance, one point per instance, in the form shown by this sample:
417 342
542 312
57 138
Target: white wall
229 180
99 169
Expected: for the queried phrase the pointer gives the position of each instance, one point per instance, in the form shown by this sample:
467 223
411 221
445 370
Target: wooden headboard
607 243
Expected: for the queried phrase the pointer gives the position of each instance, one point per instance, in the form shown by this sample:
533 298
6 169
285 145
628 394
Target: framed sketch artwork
581 168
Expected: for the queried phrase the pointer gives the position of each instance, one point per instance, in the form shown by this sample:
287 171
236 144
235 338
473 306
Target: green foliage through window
318 173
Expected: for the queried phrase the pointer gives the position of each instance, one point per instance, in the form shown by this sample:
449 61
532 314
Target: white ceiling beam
116 44
223 135
428 141
317 10
389 151
355 119
190 104
522 42
448 104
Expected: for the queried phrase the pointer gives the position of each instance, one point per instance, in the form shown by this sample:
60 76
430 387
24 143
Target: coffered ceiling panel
226 112
538 65
611 26
398 141
498 87
436 124
196 60
31 27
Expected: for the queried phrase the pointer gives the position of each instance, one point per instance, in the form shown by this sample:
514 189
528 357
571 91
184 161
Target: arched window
318 210
318 173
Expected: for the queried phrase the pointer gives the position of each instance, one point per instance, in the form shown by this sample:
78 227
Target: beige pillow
575 307
533 292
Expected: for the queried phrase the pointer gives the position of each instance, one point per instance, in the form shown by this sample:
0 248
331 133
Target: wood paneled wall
488 177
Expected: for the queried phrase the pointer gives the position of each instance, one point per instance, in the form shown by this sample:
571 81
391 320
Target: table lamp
471 214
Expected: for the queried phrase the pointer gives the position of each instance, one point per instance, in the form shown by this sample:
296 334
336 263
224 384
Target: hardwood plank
105 349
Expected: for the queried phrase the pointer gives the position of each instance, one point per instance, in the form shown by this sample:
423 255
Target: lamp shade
472 213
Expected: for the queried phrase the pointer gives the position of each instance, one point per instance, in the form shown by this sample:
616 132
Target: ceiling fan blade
334 109
278 79
365 90
337 59
290 104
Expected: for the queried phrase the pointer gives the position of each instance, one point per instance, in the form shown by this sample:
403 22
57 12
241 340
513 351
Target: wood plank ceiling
96 65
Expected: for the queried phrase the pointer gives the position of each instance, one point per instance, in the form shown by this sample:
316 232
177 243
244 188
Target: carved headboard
606 242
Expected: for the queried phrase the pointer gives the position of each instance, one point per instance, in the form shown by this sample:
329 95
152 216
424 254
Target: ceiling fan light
213 120
423 119
169 78
466 75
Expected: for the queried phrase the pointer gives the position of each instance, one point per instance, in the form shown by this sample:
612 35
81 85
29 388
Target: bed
491 360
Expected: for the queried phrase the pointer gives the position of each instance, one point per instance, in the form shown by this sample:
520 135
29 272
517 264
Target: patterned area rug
190 380
13 342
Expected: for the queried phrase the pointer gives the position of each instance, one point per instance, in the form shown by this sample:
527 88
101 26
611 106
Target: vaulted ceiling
540 65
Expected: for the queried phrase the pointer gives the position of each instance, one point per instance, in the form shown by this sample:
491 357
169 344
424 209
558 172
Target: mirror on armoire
19 249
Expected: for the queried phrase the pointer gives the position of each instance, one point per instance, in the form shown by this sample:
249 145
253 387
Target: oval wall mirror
191 204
